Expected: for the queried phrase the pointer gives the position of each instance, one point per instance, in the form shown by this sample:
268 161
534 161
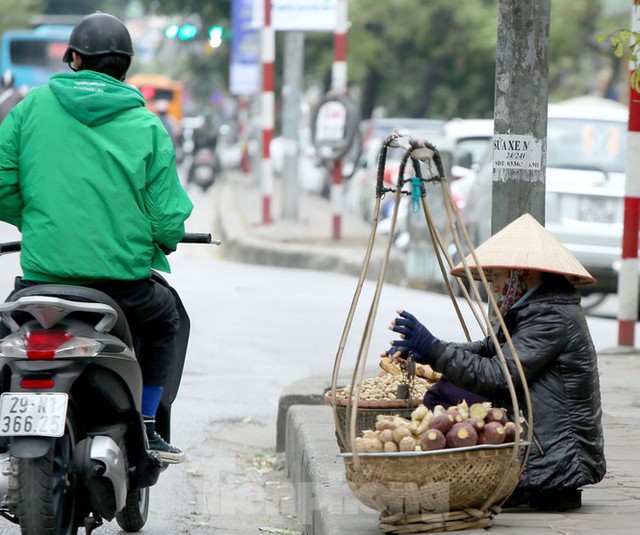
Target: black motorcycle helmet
99 33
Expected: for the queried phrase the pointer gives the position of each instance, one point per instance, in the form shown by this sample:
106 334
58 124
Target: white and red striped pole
339 86
267 109
628 276
243 120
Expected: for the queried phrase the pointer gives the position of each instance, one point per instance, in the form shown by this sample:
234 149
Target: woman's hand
414 337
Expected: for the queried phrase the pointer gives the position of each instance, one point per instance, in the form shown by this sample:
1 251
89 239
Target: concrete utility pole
291 105
520 131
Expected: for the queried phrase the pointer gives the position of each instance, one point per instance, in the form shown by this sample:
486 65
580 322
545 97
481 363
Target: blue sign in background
245 49
245 43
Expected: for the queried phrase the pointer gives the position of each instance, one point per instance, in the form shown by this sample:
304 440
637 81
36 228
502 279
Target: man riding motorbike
88 175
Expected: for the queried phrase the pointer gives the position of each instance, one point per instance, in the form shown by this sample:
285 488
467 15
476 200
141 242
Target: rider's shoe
166 452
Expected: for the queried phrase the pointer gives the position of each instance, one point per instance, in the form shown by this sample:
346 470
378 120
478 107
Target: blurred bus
157 87
33 55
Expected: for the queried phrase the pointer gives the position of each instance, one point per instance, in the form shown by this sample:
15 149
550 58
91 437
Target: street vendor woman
534 277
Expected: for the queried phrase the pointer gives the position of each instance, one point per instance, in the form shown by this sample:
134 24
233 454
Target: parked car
472 139
585 186
360 190
373 131
462 144
381 127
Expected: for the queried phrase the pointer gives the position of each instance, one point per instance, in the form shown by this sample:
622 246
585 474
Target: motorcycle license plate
25 414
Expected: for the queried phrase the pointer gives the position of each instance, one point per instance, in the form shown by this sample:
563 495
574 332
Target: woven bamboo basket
432 482
368 413
444 490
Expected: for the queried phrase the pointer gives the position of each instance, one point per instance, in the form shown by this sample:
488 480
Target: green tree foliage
84 7
18 13
408 54
203 69
625 47
207 9
423 58
436 58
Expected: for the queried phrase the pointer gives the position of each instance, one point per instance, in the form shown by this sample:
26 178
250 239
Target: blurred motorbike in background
201 164
203 169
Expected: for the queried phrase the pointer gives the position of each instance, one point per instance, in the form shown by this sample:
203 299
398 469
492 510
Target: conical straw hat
526 244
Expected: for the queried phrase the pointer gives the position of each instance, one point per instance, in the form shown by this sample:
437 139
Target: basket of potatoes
435 461
378 396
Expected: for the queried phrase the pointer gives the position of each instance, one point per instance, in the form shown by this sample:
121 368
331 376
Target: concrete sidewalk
325 505
305 243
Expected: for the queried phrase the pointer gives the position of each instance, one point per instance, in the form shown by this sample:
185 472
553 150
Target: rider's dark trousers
151 312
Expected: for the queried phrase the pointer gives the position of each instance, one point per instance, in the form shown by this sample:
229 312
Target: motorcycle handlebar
189 237
198 237
10 247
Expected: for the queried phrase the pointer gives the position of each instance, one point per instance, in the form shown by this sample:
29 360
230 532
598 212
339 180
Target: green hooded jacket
88 175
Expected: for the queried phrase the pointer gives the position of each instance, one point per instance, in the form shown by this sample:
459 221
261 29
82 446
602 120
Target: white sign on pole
513 151
298 15
332 119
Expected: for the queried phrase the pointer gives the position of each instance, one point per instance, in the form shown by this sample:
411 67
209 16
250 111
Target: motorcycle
203 169
73 446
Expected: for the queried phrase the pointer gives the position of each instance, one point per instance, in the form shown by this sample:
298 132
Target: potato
369 433
433 439
438 410
461 435
385 422
510 430
496 415
386 435
478 410
390 447
400 421
374 445
401 432
493 433
407 444
360 445
442 423
390 367
428 373
455 414
419 413
463 409
423 425
477 423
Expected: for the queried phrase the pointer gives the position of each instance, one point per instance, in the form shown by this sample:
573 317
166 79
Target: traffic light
184 32
187 31
215 36
172 31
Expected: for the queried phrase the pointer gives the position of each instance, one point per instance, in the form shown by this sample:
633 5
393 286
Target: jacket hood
94 98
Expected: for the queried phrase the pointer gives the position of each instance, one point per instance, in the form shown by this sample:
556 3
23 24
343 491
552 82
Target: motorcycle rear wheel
47 489
136 510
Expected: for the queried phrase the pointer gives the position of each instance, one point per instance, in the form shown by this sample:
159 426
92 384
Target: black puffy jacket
551 337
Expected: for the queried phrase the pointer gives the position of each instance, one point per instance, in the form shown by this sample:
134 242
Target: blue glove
416 339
